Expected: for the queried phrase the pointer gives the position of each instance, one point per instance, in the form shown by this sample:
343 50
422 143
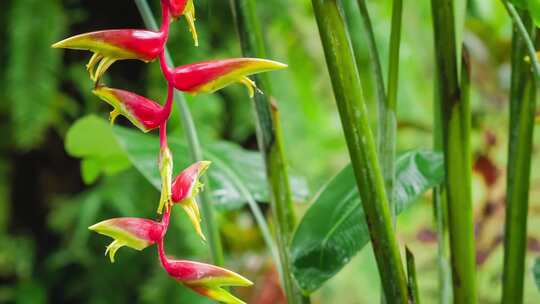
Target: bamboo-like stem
362 149
270 143
454 107
212 232
358 44
440 211
522 108
387 138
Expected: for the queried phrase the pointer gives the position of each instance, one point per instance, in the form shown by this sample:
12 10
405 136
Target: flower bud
165 170
185 188
144 113
210 76
112 45
136 233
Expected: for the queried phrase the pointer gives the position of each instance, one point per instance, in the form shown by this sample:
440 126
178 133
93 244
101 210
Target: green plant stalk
414 295
387 137
362 150
207 209
455 110
440 208
522 108
269 137
371 43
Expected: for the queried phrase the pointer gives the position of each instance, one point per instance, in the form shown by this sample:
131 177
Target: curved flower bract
206 279
112 45
144 113
136 233
185 188
210 76
186 8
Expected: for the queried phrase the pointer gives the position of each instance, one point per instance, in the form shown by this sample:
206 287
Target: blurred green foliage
49 198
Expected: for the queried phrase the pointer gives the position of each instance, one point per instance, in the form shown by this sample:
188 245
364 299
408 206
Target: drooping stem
207 209
362 149
455 111
270 143
522 108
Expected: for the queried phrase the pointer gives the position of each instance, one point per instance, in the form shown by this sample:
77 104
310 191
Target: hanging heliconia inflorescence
203 77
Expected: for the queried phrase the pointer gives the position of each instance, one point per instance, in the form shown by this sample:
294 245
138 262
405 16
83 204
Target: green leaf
334 228
247 166
536 272
534 10
519 3
91 138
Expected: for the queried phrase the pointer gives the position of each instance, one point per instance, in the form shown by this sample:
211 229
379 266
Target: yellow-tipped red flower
204 279
136 233
210 76
112 45
144 113
185 188
187 9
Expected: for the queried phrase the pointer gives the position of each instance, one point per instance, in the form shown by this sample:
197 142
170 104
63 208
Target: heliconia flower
204 279
185 188
186 8
144 113
136 233
210 76
112 45
165 170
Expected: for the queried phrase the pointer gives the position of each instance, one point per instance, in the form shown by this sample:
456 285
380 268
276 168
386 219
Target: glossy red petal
184 184
210 76
144 113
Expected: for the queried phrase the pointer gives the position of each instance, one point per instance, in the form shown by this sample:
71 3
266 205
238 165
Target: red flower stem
165 18
163 135
161 249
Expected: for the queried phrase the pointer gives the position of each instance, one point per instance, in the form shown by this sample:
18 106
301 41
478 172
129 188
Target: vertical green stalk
212 232
455 114
270 143
387 138
358 44
522 108
362 150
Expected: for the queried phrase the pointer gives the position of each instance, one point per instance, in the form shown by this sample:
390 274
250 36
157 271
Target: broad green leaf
334 228
536 272
247 166
91 138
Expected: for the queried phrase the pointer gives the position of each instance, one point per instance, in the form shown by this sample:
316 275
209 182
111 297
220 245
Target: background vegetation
48 196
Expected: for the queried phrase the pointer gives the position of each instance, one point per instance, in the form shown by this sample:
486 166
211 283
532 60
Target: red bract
205 279
112 45
187 184
185 188
210 76
136 233
144 113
